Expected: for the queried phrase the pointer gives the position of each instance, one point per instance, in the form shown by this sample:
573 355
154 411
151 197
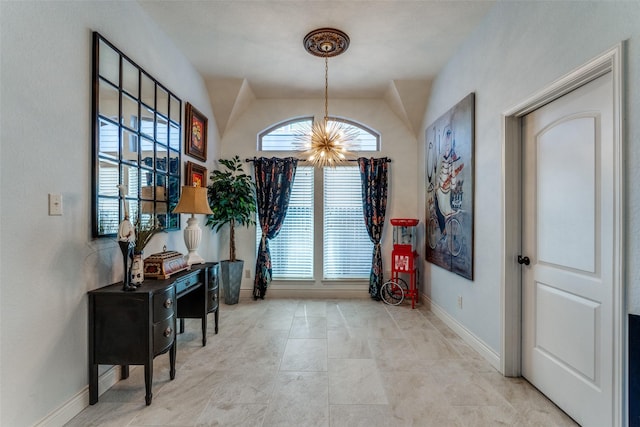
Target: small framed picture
196 175
195 133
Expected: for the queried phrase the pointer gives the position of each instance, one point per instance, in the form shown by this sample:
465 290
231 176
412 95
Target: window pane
108 178
174 162
109 66
109 97
146 122
108 215
130 78
161 158
347 248
174 109
129 146
367 140
108 139
174 137
292 250
283 137
162 105
162 130
129 112
129 176
148 90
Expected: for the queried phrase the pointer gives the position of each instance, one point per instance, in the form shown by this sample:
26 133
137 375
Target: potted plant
144 233
232 200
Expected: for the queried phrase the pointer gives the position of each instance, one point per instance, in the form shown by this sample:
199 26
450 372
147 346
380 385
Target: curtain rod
388 160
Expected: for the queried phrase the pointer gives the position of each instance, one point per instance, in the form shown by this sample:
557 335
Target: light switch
55 204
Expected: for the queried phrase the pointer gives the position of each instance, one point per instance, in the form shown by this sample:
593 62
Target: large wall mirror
136 143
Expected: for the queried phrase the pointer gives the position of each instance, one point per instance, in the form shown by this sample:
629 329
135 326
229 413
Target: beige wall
398 143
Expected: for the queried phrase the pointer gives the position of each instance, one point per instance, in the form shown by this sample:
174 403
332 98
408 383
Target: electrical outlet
247 274
460 302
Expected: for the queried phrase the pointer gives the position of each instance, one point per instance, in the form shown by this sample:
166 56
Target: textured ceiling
261 41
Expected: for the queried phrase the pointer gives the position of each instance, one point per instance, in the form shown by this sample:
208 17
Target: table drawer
164 333
164 304
214 289
184 283
212 304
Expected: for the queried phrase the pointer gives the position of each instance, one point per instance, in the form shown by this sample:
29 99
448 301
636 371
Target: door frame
511 281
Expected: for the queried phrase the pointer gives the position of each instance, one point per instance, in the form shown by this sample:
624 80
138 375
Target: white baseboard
467 336
80 400
308 293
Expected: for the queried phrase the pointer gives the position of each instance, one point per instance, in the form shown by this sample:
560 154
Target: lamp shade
193 200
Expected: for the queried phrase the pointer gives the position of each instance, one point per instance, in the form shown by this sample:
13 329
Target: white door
568 207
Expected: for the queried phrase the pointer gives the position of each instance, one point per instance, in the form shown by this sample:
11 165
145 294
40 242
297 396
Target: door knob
523 260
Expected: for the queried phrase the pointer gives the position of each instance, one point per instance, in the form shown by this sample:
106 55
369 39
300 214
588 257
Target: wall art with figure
449 176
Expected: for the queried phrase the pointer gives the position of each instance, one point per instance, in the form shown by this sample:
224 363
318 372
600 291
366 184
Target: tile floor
288 362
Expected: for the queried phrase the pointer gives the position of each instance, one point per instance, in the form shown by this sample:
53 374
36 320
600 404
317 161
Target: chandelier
326 143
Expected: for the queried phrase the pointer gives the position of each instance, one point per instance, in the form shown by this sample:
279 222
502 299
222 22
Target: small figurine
126 232
126 241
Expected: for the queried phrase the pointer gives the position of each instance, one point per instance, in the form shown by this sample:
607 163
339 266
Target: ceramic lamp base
192 237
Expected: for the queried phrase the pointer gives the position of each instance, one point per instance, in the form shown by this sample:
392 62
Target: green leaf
231 197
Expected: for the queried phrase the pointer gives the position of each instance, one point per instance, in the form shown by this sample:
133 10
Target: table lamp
193 200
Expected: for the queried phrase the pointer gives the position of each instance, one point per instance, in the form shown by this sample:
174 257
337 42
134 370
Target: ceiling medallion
326 143
326 42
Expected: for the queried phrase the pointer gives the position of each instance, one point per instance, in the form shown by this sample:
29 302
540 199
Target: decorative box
163 264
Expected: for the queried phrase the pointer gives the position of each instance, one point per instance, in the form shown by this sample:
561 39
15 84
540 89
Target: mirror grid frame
136 143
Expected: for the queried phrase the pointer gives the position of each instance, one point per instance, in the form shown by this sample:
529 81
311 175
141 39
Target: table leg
148 381
172 361
204 329
93 384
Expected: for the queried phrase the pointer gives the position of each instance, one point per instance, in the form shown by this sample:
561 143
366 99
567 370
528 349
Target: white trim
510 295
361 292
79 401
510 301
467 336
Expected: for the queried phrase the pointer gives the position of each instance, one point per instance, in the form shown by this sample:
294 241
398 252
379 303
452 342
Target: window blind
347 248
292 250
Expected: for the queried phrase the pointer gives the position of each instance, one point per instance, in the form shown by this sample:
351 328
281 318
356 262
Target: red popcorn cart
403 262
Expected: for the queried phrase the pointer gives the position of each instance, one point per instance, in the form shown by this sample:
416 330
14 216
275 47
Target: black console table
132 328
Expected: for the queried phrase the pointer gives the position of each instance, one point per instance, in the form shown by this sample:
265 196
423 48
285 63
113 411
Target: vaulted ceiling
247 49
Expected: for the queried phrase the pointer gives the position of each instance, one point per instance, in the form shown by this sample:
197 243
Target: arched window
328 201
282 136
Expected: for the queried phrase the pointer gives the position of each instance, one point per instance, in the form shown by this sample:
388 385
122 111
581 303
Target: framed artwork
449 146
196 175
195 133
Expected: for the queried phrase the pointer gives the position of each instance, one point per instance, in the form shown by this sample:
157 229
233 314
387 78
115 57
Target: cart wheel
393 291
454 231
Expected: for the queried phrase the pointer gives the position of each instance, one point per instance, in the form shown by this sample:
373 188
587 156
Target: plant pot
231 276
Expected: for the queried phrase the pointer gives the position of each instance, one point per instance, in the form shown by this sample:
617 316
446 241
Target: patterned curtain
274 179
373 175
